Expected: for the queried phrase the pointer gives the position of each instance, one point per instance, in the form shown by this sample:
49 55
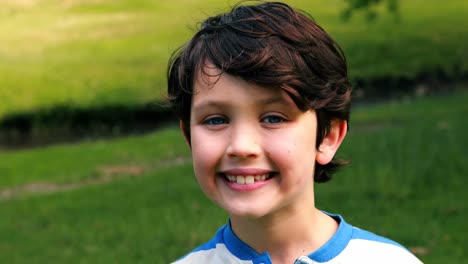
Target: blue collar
240 249
336 244
332 248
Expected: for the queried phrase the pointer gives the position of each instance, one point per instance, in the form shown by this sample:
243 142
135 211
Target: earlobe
331 142
182 129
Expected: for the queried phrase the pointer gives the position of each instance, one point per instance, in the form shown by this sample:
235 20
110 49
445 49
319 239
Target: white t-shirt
348 245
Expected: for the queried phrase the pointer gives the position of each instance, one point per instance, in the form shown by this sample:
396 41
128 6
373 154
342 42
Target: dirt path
105 174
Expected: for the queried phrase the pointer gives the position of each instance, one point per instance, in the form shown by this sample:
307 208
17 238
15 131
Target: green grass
407 181
139 220
74 163
87 52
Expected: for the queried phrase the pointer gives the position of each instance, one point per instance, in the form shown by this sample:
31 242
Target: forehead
212 83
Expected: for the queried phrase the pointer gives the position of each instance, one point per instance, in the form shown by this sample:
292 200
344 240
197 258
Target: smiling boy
263 98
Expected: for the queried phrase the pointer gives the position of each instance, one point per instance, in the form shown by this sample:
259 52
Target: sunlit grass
91 52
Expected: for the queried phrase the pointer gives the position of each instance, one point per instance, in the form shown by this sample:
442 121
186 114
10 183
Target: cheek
294 146
294 155
205 152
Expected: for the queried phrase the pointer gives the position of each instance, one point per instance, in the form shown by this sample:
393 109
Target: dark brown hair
271 45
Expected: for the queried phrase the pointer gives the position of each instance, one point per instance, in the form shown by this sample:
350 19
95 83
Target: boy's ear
182 129
331 142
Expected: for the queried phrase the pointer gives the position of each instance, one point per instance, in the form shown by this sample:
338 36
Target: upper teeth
247 179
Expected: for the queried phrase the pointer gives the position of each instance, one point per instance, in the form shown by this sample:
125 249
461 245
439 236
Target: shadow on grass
67 123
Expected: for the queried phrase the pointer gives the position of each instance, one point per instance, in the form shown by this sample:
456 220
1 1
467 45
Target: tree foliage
369 8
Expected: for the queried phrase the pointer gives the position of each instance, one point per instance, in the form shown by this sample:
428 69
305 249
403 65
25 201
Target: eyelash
211 121
218 120
279 119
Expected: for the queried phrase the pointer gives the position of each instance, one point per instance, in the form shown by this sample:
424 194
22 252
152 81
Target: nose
244 142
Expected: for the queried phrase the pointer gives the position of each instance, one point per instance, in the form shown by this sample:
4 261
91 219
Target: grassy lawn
74 163
407 181
87 52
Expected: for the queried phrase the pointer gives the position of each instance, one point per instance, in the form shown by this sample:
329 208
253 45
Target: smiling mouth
247 179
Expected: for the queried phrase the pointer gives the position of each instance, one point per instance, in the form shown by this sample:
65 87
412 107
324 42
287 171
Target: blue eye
273 119
215 121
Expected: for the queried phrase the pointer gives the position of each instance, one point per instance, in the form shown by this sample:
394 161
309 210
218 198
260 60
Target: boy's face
253 150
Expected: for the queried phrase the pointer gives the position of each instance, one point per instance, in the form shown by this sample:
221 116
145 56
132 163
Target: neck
286 235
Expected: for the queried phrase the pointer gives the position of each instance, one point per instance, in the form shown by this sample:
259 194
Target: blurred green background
133 199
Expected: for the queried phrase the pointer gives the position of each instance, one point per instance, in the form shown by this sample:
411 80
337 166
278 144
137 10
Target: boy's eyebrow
209 104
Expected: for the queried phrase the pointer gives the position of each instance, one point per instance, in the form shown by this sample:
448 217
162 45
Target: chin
246 212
